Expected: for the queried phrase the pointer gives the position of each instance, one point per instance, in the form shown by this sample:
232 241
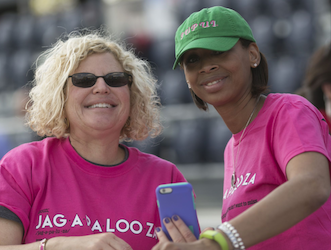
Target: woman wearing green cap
277 163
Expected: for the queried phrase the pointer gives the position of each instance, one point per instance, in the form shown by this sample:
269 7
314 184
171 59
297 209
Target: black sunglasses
115 79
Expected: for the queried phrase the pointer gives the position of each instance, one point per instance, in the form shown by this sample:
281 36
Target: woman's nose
208 67
100 86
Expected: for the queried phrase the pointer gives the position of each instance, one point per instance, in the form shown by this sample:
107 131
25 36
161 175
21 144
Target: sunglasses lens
118 79
83 80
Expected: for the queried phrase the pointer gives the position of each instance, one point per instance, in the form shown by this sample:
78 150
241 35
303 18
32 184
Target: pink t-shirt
286 126
55 192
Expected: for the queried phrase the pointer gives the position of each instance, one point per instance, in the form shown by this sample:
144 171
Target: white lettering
226 192
77 221
149 232
252 179
47 222
96 226
88 221
39 223
122 225
231 191
241 180
122 230
139 226
108 229
62 222
245 182
154 235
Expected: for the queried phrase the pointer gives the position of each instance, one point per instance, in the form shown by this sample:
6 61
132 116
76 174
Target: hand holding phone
178 199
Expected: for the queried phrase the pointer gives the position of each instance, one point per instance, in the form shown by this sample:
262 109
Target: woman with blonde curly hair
80 188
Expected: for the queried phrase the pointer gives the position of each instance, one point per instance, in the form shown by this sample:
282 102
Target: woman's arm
11 234
307 189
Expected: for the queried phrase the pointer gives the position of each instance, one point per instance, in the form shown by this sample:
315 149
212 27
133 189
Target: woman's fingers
183 229
117 243
177 230
174 233
161 235
104 241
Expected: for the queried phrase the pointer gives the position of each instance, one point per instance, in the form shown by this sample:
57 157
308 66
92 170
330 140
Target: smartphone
178 199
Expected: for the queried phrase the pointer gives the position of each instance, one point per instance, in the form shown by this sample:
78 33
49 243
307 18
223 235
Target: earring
255 65
188 84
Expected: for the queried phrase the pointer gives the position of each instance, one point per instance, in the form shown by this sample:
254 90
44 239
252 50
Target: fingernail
157 229
167 220
175 217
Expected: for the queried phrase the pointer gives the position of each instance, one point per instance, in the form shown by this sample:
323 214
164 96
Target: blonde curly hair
45 109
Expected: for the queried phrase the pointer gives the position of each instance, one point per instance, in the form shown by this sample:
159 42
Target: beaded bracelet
42 245
233 235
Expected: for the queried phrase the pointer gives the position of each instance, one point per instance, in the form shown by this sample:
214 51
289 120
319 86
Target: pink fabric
286 126
327 119
55 192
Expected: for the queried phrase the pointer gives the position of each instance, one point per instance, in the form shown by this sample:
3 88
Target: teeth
100 105
212 83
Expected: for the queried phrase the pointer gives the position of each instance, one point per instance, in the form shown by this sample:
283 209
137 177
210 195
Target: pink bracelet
42 245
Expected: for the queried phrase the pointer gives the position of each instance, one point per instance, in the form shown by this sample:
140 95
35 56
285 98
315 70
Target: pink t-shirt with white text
55 192
286 126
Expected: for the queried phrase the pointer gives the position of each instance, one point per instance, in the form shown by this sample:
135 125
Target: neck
236 116
100 151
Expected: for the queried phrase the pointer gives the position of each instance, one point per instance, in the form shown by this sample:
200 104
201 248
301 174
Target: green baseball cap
216 28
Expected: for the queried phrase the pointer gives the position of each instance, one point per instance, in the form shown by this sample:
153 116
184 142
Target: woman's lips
213 82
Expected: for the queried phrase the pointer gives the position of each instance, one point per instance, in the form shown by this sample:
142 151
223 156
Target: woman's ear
254 55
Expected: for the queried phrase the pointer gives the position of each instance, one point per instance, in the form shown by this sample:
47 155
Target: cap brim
211 43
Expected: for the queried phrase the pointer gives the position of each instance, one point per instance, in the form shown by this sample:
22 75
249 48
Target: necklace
233 177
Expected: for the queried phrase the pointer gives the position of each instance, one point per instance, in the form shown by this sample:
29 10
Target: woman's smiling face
219 77
99 107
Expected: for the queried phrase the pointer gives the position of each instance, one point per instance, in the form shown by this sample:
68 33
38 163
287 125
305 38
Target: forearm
281 209
102 241
31 246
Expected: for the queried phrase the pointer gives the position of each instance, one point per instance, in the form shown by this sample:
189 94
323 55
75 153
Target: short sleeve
299 127
15 180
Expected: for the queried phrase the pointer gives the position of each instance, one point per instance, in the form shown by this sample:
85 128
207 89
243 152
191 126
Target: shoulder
290 104
160 170
287 99
146 157
32 150
292 114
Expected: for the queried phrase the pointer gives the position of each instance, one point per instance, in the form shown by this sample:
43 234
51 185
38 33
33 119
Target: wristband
42 245
216 236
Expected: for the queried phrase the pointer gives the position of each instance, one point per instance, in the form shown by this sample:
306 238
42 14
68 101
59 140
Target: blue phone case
179 201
